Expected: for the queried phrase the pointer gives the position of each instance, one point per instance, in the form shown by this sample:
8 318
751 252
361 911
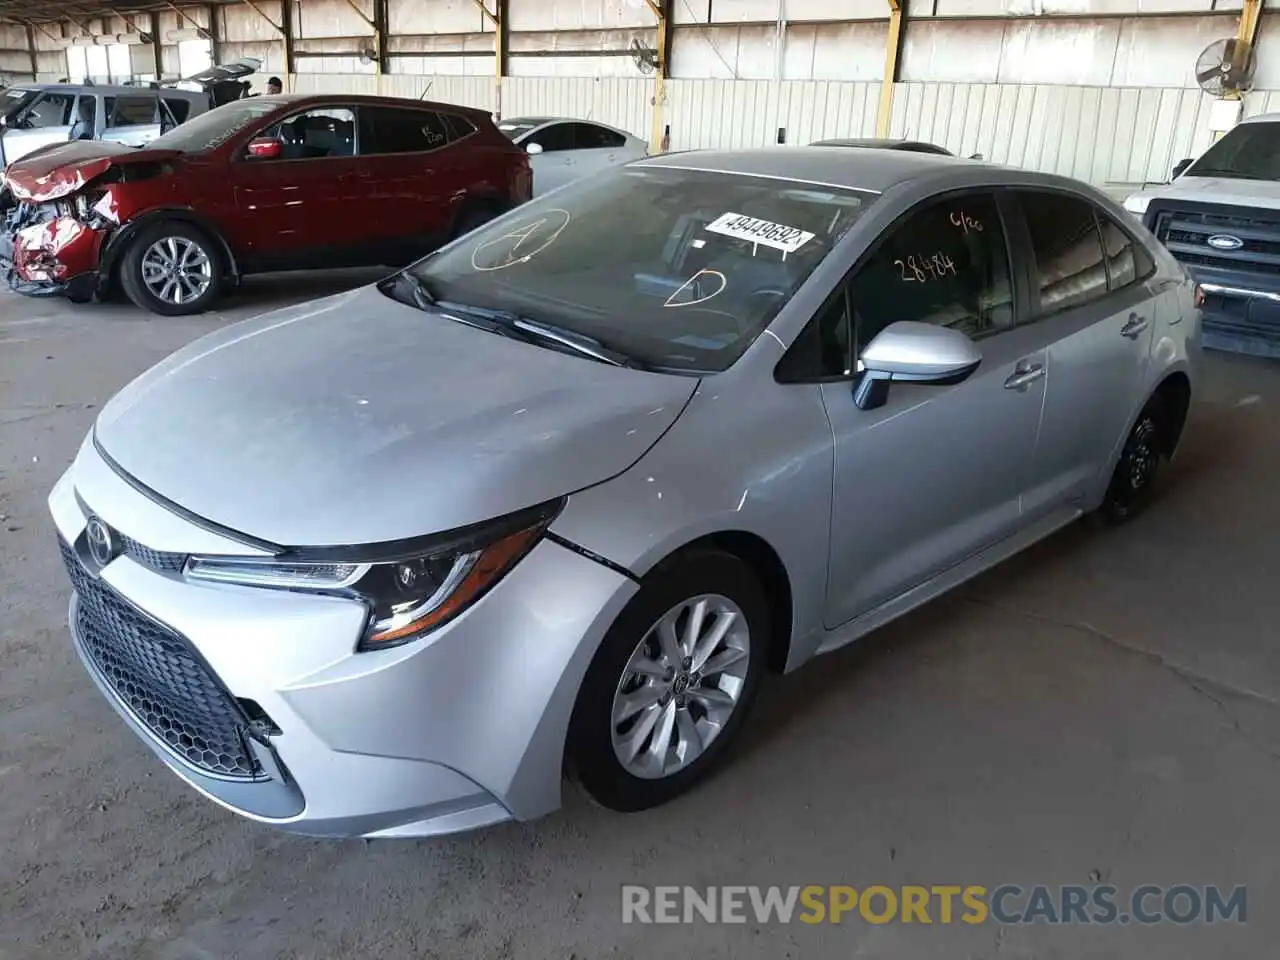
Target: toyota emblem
102 546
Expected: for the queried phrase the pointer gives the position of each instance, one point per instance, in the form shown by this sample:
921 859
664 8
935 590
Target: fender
119 241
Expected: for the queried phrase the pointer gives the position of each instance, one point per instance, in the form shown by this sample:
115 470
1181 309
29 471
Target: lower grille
160 679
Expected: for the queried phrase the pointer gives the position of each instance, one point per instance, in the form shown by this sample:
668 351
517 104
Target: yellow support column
892 50
662 10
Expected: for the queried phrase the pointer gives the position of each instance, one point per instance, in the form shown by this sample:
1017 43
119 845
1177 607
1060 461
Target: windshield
1250 151
677 269
211 130
13 100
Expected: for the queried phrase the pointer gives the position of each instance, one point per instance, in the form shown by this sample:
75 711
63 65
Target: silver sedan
560 495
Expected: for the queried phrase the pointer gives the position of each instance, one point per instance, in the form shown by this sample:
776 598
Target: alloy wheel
1143 454
680 686
176 270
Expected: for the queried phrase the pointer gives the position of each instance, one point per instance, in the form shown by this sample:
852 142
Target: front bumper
458 730
45 255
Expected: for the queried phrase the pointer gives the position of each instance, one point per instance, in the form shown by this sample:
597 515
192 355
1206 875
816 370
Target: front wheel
671 684
173 269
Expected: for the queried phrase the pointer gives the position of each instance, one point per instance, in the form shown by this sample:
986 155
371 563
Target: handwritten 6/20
930 267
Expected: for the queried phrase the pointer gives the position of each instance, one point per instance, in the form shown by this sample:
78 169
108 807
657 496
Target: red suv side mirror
264 148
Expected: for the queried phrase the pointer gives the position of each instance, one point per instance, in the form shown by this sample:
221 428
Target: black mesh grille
157 675
1185 229
159 560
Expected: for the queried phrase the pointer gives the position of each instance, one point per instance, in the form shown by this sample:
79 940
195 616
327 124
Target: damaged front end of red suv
60 209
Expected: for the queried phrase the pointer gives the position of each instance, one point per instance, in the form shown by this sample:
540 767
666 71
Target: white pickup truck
1220 216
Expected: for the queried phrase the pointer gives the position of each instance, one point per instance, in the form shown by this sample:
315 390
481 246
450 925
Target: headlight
409 592
1137 204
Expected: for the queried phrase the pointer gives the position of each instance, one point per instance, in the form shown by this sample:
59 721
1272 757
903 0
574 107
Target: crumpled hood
356 419
58 171
1227 190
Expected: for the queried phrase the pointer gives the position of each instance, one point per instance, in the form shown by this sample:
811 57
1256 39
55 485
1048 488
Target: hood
1264 194
64 168
356 419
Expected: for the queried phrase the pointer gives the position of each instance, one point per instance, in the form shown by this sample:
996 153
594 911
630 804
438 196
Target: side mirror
264 148
911 352
975 156
533 149
1180 168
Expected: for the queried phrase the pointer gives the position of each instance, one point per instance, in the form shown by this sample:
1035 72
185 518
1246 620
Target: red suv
260 184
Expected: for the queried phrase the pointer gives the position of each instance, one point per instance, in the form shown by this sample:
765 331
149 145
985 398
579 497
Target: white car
563 150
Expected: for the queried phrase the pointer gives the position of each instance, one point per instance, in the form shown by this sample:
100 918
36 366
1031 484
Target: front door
1098 317
47 119
936 474
555 165
302 208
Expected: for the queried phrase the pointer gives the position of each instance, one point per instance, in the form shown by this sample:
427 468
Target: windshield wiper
506 323
580 343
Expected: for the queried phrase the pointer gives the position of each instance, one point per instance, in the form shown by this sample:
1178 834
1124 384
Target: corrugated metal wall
1105 135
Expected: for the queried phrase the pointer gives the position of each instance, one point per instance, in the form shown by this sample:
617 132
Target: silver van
37 115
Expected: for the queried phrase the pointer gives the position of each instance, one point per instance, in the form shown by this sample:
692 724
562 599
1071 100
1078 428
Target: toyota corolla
556 498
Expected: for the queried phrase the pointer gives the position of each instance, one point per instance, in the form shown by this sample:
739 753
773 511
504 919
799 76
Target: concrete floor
1104 707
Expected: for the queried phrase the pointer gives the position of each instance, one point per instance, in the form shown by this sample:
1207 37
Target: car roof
107 88
358 99
874 170
883 143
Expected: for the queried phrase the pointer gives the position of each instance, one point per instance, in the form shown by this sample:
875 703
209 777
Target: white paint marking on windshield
753 230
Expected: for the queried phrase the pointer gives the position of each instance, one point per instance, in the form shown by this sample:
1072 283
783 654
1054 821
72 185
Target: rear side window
588 136
1127 261
1067 248
384 131
180 108
130 111
459 127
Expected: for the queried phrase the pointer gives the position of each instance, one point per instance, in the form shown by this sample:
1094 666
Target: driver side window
946 263
555 138
316 134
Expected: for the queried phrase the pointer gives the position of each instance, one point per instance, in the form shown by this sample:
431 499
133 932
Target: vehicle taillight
1199 296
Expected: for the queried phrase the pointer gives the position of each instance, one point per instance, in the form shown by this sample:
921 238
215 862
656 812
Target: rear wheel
173 269
473 216
671 684
1132 483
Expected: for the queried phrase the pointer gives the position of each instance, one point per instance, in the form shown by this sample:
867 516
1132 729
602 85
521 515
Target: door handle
1135 326
1023 376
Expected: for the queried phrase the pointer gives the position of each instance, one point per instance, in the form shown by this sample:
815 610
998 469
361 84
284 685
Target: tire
1133 481
725 583
473 216
150 250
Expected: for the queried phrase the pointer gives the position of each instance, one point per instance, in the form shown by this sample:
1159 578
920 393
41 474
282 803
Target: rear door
304 208
1097 312
414 169
132 119
597 147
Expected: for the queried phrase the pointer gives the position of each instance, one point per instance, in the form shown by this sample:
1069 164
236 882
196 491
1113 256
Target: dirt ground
1102 709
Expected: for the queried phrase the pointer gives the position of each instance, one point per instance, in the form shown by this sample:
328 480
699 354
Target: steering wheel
732 320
